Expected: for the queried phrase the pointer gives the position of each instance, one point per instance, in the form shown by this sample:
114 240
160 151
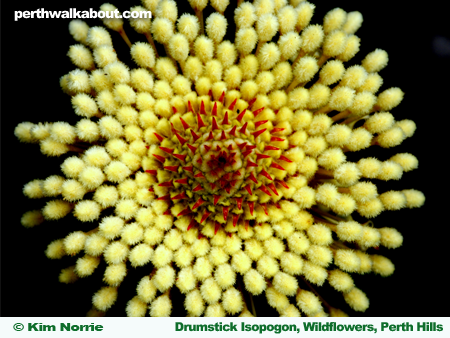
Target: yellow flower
223 168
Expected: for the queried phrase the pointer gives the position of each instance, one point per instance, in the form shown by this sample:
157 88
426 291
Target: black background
33 59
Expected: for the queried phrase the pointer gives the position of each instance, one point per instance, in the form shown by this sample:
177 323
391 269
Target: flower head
221 168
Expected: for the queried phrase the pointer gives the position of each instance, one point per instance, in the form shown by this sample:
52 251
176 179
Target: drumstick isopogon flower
219 167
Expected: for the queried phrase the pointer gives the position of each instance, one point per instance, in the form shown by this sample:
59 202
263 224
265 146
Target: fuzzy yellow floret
319 234
308 302
34 189
283 74
338 135
340 280
350 49
78 81
215 310
56 209
136 307
216 26
186 280
183 257
112 23
81 57
23 132
193 68
110 128
390 170
204 48
390 98
285 283
347 260
289 44
178 47
370 208
116 252
111 227
347 173
104 298
114 274
363 191
161 306
408 127
87 130
331 72
359 139
298 98
390 238
414 198
276 299
31 218
162 256
72 190
319 255
354 77
353 22
370 238
312 38
74 242
63 132
375 61
202 268
349 231
319 96
341 98
146 290
331 158
98 36
267 266
96 156
379 122
125 95
95 244
362 103
357 300
68 275
118 72
106 196
305 12
344 205
334 19
141 25
287 17
91 177
117 171
305 69
315 145
334 43
164 278
106 102
369 167
327 194
87 211
194 303
79 30
126 208
298 242
268 56
291 263
254 282
240 262
290 311
167 9
103 56
210 291
246 39
244 15
393 200
391 137
55 250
